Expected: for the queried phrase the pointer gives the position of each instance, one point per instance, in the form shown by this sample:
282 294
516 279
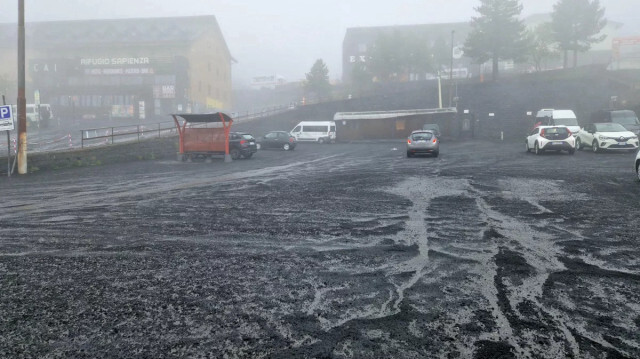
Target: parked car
242 145
433 127
627 118
550 138
278 139
423 142
551 117
607 136
315 131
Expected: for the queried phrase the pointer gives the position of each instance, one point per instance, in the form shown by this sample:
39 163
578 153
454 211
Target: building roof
374 115
132 31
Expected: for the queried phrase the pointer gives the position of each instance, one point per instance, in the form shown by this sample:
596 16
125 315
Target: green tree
318 79
542 41
497 34
576 25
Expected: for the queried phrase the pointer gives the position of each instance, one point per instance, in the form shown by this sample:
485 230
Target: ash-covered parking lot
328 251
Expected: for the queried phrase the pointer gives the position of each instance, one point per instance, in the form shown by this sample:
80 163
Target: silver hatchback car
423 142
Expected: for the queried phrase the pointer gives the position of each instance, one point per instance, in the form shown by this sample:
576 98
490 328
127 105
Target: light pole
22 101
451 70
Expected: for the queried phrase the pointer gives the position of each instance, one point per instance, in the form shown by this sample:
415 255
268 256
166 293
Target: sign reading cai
114 61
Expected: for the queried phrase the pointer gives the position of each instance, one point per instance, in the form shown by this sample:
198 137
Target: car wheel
595 147
248 155
436 154
537 149
526 144
638 171
579 144
572 151
235 154
286 147
409 154
320 140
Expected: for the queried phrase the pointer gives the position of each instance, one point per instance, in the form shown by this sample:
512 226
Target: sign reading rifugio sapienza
102 61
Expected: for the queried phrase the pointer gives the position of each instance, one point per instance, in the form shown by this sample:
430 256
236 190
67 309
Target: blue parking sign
6 118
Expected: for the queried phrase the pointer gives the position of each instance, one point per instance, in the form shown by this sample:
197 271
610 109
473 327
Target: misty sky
285 37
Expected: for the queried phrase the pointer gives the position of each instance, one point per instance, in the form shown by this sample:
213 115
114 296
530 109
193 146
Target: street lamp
451 70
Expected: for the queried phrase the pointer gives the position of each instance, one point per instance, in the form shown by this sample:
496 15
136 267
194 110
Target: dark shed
391 124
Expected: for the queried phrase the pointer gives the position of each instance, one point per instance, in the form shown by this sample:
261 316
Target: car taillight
291 139
542 133
242 142
435 140
409 141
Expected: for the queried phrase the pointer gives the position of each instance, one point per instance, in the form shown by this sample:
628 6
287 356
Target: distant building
358 44
130 68
267 81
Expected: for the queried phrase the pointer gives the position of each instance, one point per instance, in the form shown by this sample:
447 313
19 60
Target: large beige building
129 68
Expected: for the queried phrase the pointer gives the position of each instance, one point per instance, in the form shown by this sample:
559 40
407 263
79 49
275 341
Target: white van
32 116
551 117
315 131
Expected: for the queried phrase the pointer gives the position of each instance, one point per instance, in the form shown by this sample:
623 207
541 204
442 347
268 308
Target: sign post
6 124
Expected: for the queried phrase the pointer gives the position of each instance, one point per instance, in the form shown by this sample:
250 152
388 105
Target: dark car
278 139
627 118
433 127
242 145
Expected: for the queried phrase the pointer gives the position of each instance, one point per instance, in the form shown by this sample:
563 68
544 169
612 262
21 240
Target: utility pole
451 71
22 101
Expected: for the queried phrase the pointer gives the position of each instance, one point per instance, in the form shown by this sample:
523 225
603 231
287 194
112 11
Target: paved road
343 251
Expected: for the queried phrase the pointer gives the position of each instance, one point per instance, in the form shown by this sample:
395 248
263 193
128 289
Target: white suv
550 138
607 136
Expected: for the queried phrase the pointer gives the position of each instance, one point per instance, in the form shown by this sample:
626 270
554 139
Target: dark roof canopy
205 117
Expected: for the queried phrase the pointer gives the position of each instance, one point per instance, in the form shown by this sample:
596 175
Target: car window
271 136
422 136
566 121
332 129
247 136
609 127
297 129
282 135
556 130
624 117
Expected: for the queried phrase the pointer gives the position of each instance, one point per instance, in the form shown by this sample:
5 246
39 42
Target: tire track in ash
509 258
532 255
454 271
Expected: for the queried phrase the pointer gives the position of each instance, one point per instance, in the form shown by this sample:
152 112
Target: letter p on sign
5 112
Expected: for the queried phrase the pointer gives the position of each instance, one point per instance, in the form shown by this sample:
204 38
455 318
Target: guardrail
127 133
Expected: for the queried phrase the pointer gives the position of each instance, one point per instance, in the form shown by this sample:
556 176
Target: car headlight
602 138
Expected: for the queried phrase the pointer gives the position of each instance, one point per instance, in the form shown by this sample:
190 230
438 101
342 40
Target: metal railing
126 133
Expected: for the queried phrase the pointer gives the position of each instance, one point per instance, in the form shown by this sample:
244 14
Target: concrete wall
152 149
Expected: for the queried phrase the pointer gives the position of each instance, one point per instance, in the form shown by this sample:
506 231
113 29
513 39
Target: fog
281 37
